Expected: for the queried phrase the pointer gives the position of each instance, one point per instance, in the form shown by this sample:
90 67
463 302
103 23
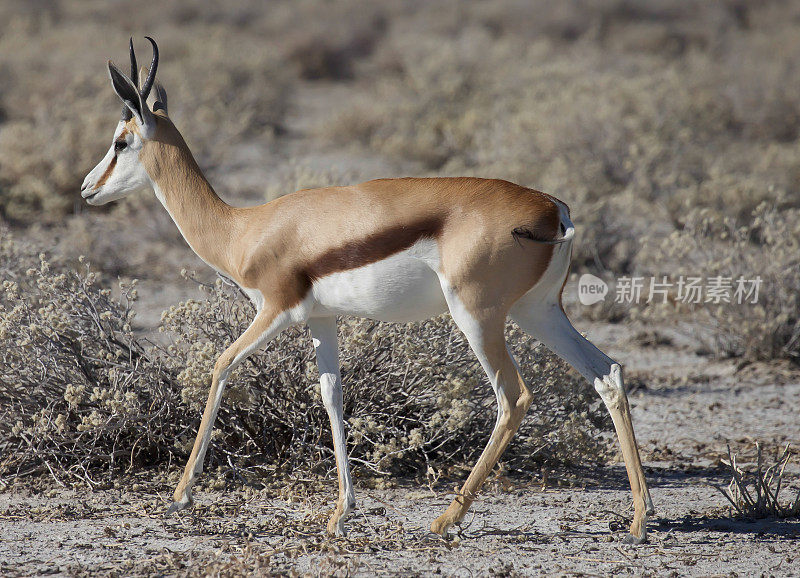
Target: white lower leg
331 389
326 348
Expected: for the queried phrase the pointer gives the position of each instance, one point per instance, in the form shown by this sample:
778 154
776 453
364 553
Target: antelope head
121 172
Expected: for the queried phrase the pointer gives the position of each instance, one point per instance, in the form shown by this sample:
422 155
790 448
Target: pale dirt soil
517 527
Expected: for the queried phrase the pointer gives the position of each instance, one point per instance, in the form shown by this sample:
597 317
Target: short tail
567 233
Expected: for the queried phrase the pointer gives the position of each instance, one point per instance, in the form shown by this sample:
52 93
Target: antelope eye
120 145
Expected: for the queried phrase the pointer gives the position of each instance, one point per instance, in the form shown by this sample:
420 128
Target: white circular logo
591 289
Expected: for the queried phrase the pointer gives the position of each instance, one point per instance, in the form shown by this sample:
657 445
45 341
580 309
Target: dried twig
761 497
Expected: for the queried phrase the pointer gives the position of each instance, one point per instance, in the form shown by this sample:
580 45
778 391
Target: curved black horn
126 112
134 68
151 76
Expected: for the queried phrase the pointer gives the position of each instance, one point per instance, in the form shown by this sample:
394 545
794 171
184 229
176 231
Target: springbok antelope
389 249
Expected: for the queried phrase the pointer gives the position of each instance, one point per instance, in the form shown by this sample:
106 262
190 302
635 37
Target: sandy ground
526 530
685 408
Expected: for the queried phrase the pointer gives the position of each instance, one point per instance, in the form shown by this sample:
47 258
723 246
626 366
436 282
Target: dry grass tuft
756 495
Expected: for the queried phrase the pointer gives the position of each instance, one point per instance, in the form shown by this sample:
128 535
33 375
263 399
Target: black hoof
176 507
631 539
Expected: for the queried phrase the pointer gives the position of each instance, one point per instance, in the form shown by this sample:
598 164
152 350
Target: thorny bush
77 388
82 396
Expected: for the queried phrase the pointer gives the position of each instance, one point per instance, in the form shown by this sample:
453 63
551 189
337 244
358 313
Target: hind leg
485 336
549 324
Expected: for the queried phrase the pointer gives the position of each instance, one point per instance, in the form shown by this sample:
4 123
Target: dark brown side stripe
106 174
372 248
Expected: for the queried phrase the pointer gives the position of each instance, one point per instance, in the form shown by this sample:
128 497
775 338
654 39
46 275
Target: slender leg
326 346
549 324
513 400
264 327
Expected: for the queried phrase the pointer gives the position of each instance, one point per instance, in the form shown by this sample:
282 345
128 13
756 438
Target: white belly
403 287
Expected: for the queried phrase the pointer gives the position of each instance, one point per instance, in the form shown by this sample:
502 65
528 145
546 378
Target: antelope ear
132 98
158 98
142 75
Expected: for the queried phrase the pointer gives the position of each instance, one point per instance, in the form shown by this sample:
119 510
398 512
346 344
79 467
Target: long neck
205 221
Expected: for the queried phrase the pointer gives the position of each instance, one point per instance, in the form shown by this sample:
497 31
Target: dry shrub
224 92
767 246
44 153
326 53
421 115
78 390
83 396
757 494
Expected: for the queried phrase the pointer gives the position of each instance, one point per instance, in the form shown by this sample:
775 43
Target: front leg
265 326
326 346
